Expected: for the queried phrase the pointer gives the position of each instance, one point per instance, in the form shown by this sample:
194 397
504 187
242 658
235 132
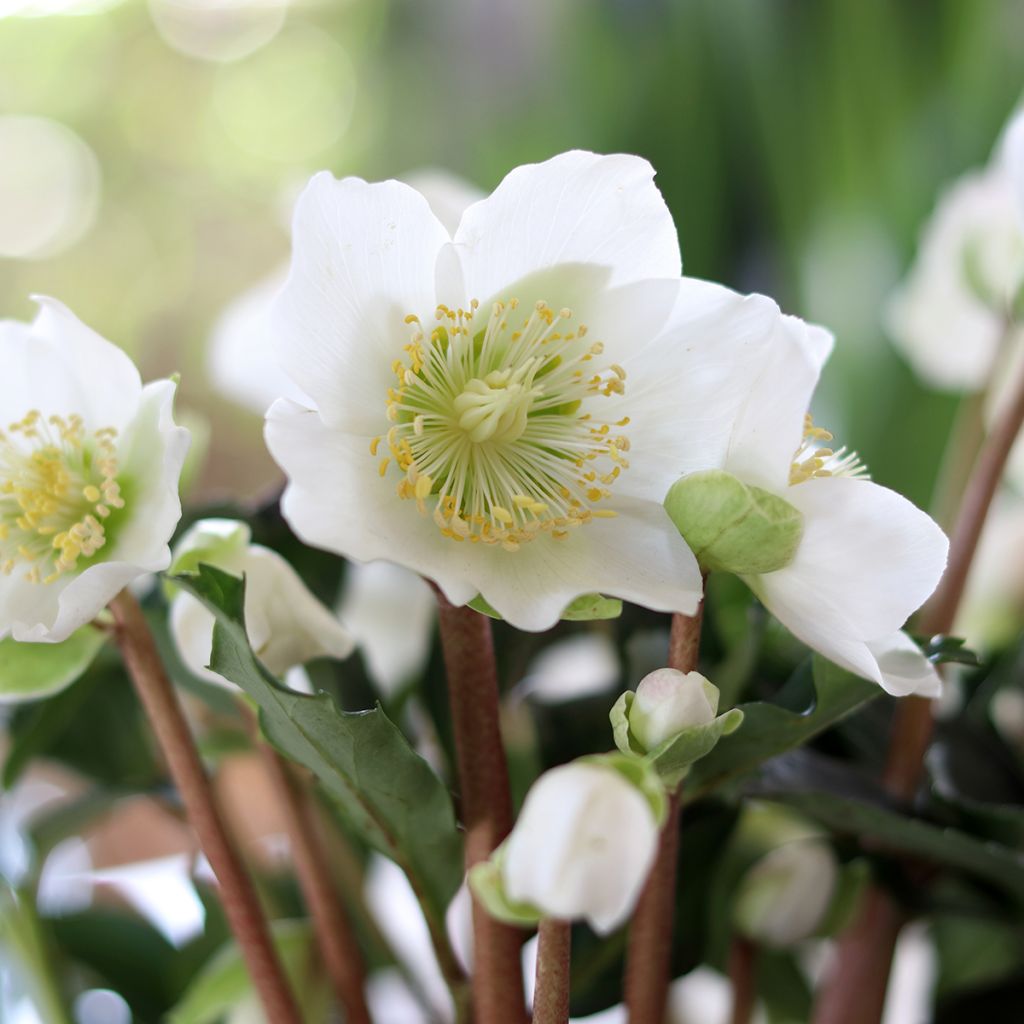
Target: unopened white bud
784 897
667 702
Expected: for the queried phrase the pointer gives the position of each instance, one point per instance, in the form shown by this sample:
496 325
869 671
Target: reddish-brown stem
486 802
336 940
742 977
551 995
855 991
237 893
648 957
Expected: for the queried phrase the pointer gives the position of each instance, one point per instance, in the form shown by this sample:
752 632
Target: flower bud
582 847
785 896
667 702
732 526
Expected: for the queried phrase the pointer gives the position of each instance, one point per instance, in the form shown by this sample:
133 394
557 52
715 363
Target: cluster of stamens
58 483
813 459
491 424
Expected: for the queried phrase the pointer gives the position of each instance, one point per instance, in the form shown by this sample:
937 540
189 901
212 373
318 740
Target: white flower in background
785 896
240 358
667 702
859 558
390 614
287 626
582 665
89 466
504 412
582 846
950 317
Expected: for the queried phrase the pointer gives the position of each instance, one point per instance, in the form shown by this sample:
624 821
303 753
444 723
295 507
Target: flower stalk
650 935
237 893
743 978
551 996
486 802
855 993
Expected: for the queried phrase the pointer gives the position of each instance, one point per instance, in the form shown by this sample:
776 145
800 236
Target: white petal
904 667
769 427
241 361
448 194
363 259
1013 144
685 390
638 556
867 559
578 208
390 612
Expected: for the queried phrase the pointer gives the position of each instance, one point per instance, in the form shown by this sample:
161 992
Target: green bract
732 526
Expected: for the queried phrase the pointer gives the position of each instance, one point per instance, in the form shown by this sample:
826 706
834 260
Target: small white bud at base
784 897
667 702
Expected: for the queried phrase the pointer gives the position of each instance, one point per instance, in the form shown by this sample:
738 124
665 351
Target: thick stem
742 965
237 894
648 957
486 802
335 938
855 991
551 996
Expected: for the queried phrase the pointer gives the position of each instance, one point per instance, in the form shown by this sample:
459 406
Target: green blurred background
800 145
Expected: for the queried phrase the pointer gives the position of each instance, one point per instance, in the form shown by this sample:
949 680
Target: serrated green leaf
390 794
33 671
770 729
225 982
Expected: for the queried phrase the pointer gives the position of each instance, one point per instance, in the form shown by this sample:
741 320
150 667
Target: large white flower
582 846
950 317
286 624
866 558
503 411
89 467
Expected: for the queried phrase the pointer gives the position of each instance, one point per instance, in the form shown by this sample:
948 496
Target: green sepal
731 526
585 608
485 881
199 546
30 671
619 717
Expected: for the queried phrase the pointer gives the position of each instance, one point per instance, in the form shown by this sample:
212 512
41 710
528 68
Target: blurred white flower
865 558
784 897
576 666
390 612
950 317
582 846
484 443
89 468
667 702
287 626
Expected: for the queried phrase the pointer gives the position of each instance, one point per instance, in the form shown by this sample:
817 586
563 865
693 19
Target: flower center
494 424
58 484
813 459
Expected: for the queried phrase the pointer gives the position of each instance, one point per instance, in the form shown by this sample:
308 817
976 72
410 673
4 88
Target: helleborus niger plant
89 467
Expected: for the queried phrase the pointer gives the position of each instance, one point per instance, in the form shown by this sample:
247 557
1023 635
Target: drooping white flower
863 558
951 317
582 846
503 411
240 358
89 467
287 626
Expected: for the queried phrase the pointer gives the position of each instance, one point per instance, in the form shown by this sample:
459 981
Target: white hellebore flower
502 410
858 558
89 467
667 702
286 625
582 846
950 317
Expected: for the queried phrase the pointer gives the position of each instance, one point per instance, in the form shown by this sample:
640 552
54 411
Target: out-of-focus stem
237 893
742 965
650 933
551 995
486 801
855 991
336 940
